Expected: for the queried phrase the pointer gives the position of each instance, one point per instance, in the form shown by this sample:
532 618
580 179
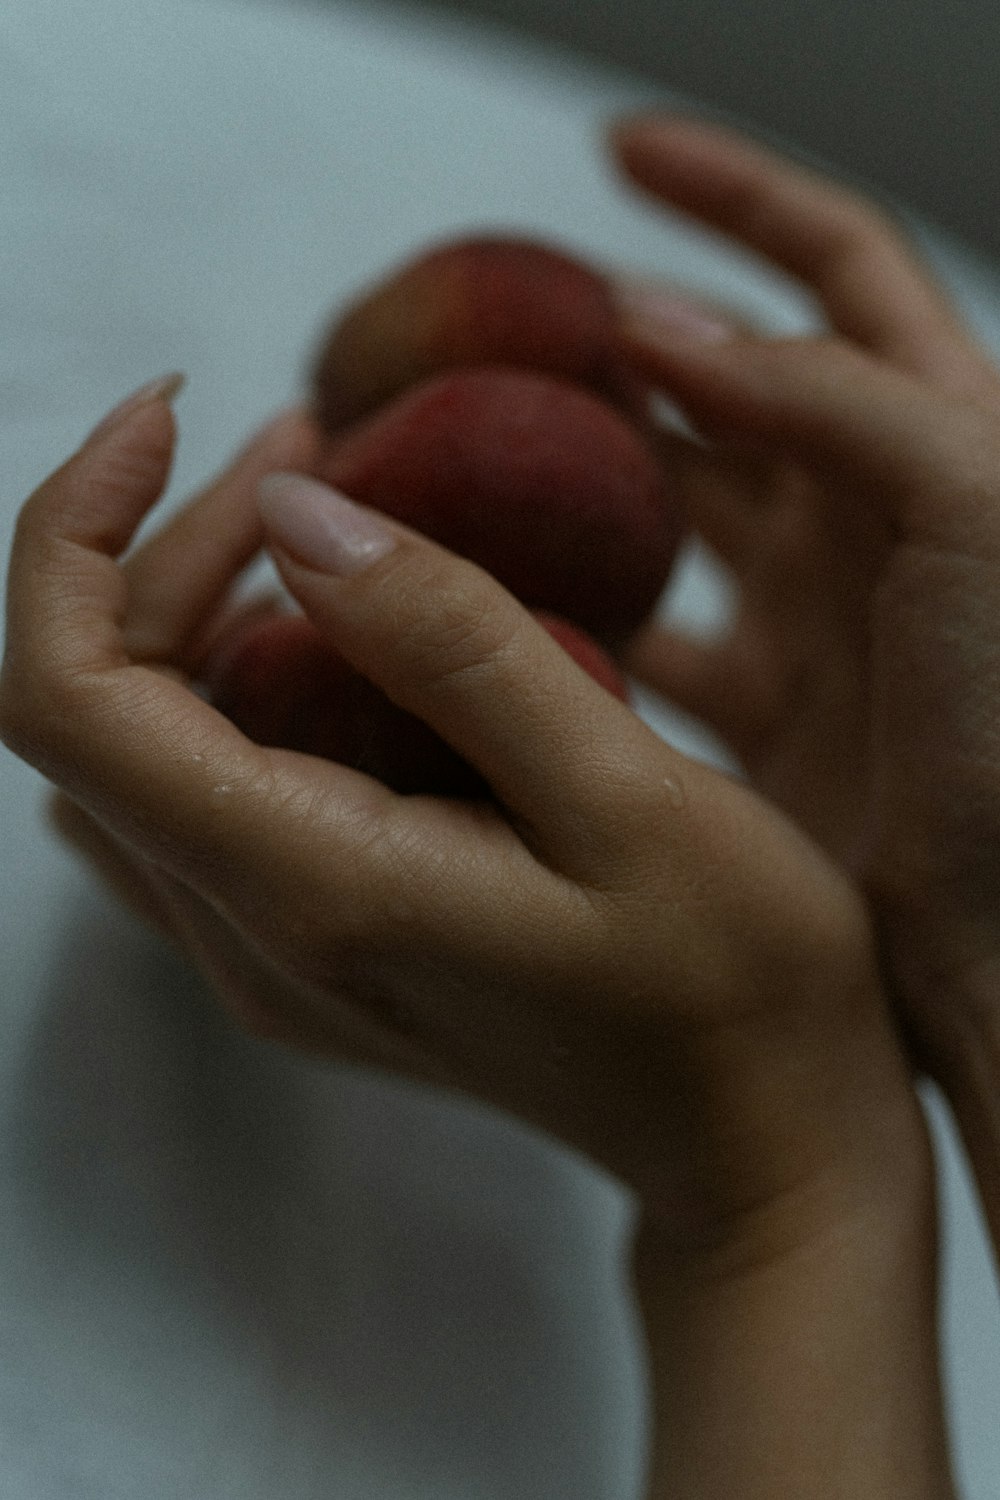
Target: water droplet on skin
198 759
676 794
219 793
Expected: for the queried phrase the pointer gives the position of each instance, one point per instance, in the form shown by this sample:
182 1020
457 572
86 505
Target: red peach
284 686
585 652
539 482
478 301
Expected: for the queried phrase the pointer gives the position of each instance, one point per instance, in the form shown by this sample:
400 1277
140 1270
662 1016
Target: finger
447 643
674 306
180 577
729 685
311 860
132 744
925 461
865 273
722 497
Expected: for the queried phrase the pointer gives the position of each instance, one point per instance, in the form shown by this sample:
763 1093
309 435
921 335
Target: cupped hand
851 483
622 947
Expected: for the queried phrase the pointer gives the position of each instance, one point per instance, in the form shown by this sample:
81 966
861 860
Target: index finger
866 274
181 577
133 745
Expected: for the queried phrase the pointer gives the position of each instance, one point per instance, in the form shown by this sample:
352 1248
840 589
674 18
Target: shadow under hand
250 1271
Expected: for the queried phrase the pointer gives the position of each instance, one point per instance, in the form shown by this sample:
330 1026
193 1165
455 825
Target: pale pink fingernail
652 311
165 388
320 527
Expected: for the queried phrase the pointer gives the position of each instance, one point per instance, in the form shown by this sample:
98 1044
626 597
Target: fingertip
657 130
161 392
637 121
290 440
616 130
659 316
320 528
678 355
627 139
101 493
123 464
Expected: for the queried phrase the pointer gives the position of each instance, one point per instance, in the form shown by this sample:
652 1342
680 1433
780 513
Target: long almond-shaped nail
649 311
164 388
320 527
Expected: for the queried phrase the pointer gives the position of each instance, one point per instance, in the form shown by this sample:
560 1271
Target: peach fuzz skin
538 481
476 301
476 395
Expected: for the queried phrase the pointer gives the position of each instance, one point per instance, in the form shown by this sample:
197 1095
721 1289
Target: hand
850 482
624 948
582 952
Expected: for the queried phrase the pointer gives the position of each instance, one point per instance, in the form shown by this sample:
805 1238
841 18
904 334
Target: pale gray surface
901 92
225 1272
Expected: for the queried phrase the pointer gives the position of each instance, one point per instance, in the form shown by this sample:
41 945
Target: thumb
447 643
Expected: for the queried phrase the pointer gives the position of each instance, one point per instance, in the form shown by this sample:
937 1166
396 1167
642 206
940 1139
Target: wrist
800 1356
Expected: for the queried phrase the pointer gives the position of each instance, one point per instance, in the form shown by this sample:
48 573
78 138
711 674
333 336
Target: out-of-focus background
902 92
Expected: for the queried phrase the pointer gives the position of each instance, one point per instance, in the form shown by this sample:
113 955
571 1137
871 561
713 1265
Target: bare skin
688 994
850 483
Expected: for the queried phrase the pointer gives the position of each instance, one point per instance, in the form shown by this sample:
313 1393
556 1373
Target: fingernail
165 388
320 527
652 312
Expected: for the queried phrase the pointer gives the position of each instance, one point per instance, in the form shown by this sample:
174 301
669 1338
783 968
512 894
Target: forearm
808 1370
